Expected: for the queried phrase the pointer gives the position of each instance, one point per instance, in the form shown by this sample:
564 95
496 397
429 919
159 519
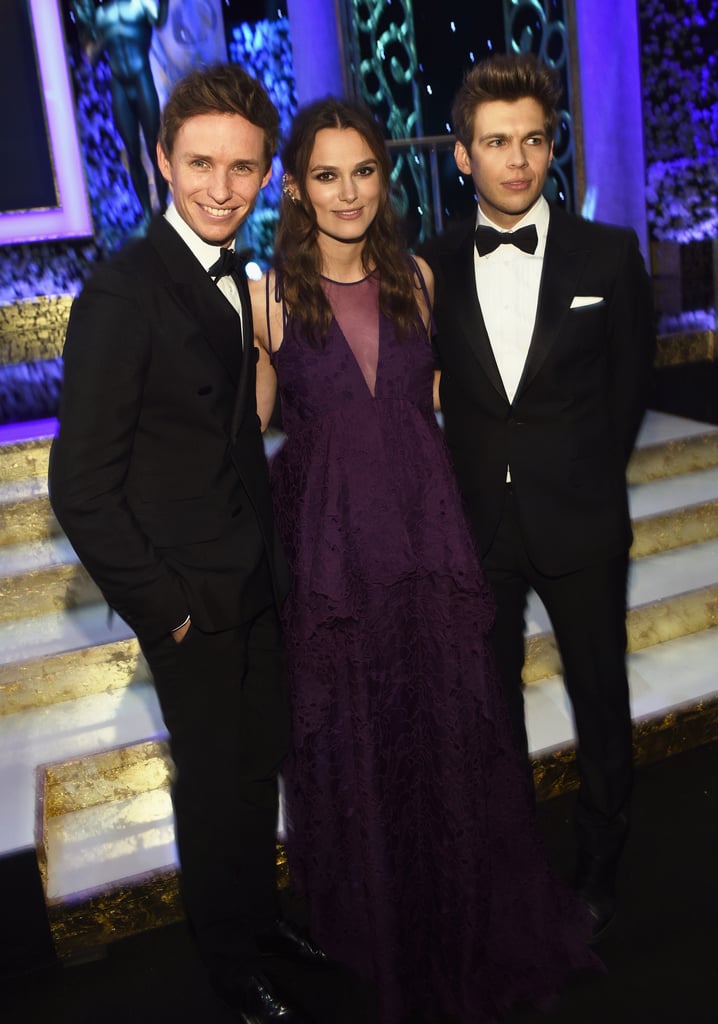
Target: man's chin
223 241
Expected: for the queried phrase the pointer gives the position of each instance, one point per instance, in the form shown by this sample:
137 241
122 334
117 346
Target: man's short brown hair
220 89
507 77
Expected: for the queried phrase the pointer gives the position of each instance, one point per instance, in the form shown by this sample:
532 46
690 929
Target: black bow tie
229 262
488 239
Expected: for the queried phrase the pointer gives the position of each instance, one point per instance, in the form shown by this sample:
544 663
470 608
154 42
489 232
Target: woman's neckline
359 280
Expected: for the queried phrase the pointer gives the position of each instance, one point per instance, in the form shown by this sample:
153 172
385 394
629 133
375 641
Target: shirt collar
205 252
538 215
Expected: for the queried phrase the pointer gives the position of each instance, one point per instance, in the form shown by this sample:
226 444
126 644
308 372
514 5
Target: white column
315 28
611 111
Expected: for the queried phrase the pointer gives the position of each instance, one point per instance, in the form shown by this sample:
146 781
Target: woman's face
343 184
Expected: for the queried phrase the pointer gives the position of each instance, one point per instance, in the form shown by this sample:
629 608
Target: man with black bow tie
159 478
545 342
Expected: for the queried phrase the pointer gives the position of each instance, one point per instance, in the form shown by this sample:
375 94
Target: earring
286 190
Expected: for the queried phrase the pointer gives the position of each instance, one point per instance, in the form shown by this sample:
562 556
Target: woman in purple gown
411 829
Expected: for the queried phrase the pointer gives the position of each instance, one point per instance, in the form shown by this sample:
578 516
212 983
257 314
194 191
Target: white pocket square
586 300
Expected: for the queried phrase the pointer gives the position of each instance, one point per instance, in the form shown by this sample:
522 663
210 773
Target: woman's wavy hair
297 257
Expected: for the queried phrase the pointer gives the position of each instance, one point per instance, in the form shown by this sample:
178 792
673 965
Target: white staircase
82 744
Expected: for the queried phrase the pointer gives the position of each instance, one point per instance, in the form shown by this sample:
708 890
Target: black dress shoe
602 911
254 1000
596 886
288 940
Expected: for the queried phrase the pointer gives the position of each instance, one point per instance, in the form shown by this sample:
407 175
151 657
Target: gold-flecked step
40 682
674 528
674 457
67 794
29 518
652 623
24 459
45 589
129 788
655 738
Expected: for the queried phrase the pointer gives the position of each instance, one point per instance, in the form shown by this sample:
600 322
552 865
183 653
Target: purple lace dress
410 826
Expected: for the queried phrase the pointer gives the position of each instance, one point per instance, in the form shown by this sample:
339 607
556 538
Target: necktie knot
229 262
488 239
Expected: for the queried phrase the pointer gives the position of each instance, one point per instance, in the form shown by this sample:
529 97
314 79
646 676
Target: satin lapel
461 290
563 264
248 371
200 297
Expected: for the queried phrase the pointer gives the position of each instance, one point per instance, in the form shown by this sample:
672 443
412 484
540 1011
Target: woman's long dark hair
297 256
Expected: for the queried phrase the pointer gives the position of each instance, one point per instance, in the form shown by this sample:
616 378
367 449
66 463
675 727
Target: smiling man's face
216 170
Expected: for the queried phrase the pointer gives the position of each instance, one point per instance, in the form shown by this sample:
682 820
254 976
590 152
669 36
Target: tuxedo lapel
247 376
563 264
202 300
461 289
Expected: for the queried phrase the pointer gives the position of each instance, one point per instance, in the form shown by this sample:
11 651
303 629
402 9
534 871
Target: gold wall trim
686 347
33 329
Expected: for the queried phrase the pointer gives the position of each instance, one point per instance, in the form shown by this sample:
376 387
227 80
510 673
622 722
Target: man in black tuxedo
158 477
545 347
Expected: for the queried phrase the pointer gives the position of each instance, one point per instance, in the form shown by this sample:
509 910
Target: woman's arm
266 386
266 377
428 276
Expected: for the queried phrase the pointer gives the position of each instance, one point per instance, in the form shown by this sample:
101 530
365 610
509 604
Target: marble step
670 595
25 512
42 576
25 450
65 654
667 511
666 445
670 446
105 834
71 729
674 511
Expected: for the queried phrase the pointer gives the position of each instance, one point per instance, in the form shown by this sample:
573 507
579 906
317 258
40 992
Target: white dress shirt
507 285
207 255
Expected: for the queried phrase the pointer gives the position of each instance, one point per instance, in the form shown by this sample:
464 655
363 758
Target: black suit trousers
225 704
587 609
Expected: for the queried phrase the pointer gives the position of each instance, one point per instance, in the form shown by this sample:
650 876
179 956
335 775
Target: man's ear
164 164
462 158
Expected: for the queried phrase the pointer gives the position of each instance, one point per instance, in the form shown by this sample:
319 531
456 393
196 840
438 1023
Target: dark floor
660 957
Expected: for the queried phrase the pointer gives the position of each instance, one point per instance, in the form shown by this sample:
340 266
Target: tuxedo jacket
569 431
158 474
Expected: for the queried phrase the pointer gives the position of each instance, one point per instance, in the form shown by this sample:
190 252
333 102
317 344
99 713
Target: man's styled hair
507 77
220 89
